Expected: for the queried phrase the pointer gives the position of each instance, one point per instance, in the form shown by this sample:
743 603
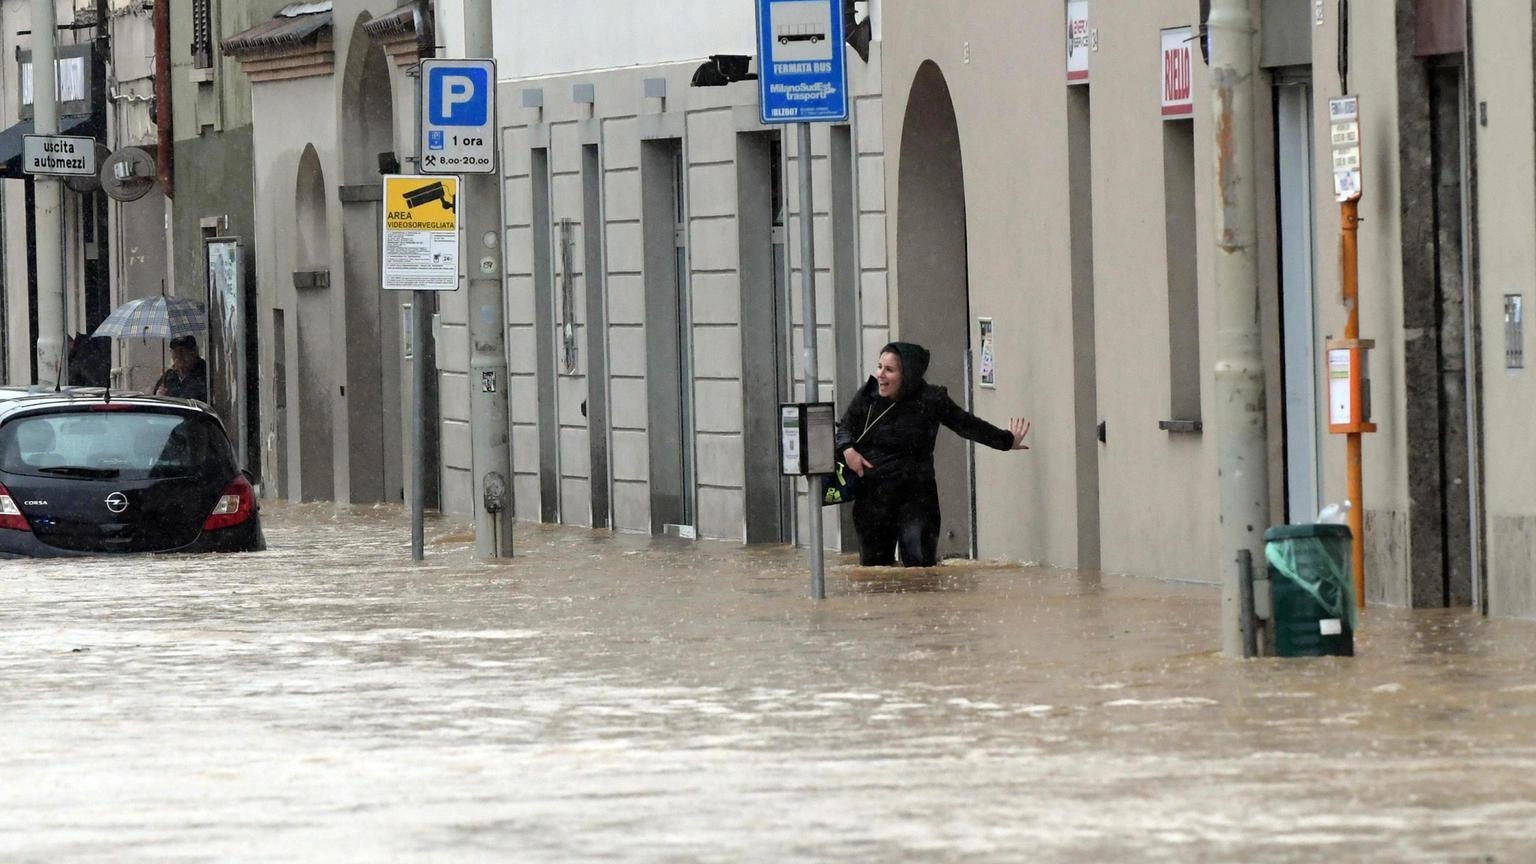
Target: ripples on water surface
621 698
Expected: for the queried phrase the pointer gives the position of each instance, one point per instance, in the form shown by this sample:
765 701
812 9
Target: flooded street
616 698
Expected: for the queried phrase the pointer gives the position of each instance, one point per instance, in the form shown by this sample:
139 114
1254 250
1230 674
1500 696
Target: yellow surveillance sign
421 233
421 203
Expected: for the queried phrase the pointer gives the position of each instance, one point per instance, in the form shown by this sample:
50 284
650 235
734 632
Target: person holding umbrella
187 377
172 318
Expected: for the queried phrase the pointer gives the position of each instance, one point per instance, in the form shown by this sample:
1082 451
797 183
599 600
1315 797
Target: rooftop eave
281 49
395 32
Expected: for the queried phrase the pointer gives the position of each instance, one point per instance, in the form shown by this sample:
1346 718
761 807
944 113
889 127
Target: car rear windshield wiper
81 471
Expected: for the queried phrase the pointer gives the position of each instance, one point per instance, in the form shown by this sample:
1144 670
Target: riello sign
1078 40
1178 73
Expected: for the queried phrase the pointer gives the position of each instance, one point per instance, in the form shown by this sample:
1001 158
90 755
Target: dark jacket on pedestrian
898 498
194 385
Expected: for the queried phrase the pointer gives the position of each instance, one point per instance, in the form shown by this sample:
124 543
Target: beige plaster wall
1006 71
1506 214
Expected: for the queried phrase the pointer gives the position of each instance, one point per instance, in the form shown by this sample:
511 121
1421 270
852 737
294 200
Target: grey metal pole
489 430
419 333
1241 446
812 378
48 205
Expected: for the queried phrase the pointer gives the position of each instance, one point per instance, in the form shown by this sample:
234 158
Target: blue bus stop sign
801 62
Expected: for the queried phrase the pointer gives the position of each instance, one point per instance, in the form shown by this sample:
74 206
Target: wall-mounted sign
988 371
421 233
1344 120
1078 45
1178 73
458 116
58 155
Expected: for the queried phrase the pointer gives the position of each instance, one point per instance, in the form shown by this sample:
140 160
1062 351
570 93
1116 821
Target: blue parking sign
802 61
458 96
458 117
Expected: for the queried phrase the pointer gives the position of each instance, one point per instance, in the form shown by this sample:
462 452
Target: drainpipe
1241 446
165 157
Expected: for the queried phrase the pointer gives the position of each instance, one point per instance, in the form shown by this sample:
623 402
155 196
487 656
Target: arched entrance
933 297
372 358
317 477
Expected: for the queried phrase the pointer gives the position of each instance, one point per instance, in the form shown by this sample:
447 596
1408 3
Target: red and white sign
1178 73
1077 40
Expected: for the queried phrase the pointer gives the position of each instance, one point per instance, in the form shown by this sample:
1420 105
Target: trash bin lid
1319 530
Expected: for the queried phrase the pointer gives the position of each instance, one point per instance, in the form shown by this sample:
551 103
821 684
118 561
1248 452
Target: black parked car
81 473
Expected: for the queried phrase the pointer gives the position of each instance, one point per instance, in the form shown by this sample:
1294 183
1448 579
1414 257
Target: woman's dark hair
914 364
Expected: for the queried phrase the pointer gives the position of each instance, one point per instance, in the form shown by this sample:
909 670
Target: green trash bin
1312 590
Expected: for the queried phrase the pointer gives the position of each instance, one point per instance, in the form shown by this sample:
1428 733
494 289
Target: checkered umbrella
155 318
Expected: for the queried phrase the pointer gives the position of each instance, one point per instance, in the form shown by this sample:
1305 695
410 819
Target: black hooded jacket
902 431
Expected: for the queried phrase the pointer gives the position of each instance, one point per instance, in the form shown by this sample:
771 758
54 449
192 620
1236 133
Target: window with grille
202 34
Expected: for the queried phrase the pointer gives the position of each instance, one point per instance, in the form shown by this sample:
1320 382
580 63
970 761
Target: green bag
839 487
842 485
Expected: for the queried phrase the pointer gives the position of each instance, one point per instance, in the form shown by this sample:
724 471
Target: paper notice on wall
1339 408
988 370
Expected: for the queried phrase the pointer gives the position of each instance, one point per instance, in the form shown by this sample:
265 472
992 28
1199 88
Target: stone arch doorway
372 398
316 479
933 294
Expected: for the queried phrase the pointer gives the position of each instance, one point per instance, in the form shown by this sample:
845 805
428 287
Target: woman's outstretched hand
1020 428
856 461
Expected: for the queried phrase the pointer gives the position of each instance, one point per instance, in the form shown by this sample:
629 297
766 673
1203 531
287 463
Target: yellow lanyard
868 423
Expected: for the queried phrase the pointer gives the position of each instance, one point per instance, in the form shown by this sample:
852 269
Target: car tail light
10 514
236 504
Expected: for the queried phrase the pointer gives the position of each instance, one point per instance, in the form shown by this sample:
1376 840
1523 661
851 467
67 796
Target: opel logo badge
117 502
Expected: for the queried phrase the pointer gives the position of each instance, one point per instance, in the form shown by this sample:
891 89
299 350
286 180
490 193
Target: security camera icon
427 194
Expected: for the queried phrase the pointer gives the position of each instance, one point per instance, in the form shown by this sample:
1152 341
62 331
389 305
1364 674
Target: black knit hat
914 364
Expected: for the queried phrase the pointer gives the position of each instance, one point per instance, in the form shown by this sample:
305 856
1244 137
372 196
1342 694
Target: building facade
1026 189
655 305
112 250
1075 146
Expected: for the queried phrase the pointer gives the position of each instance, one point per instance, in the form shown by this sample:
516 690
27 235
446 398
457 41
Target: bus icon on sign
458 96
811 33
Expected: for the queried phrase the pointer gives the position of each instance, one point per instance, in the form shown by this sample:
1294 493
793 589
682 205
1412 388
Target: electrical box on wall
1349 386
806 437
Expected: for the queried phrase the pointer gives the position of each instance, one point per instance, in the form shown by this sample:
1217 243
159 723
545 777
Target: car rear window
119 444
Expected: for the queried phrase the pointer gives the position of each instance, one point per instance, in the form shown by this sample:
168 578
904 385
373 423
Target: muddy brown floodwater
619 698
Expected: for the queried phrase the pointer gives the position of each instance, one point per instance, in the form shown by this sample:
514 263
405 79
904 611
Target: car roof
20 399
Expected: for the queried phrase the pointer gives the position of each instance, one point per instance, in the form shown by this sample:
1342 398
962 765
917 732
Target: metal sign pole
803 78
812 379
419 301
425 47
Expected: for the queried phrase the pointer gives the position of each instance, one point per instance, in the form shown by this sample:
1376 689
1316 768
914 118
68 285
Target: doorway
595 282
933 284
668 338
316 464
372 399
1298 302
1440 344
769 496
1085 388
